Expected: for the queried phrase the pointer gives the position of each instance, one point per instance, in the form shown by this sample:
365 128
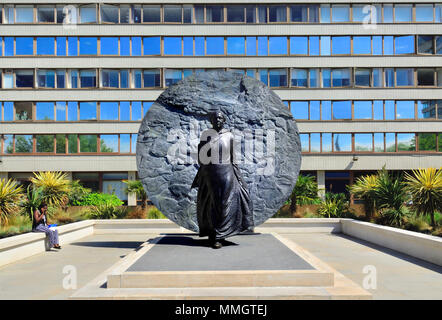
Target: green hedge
97 199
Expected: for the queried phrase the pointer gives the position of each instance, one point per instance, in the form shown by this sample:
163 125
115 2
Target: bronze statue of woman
224 206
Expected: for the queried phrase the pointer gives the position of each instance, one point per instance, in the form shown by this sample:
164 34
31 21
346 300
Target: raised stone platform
258 266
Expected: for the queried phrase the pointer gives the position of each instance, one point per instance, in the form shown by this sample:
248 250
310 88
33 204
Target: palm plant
31 201
334 205
135 186
425 188
304 192
365 188
10 195
54 187
390 191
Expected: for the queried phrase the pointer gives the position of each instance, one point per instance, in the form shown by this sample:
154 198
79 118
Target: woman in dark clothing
224 207
39 224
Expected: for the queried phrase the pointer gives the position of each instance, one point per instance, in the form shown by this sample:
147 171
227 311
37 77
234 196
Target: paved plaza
398 276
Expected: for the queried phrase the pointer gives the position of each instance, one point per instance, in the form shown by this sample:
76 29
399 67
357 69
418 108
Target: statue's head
217 120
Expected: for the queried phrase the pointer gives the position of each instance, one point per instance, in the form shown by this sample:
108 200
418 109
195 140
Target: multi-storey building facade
362 78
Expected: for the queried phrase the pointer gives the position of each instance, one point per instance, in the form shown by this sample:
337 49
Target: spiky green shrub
10 196
54 187
334 205
365 188
425 187
154 213
107 211
304 192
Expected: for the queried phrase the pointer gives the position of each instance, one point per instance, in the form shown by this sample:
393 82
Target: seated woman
40 225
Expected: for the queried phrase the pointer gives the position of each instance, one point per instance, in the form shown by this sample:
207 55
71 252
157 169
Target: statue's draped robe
224 206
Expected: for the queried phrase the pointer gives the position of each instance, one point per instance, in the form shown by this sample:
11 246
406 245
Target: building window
404 77
424 12
72 143
60 111
363 110
88 45
45 46
403 12
72 111
326 142
24 78
235 14
314 78
236 46
325 45
23 111
109 46
341 110
342 142
124 143
108 110
60 141
72 46
427 141
299 78
45 143
278 78
136 111
404 45
340 13
404 109
362 45
136 13
298 13
363 142
406 142
379 142
88 79
88 13
88 111
341 45
363 77
24 46
151 13
44 111
152 45
151 78
46 78
109 13
110 78
278 45
299 45
215 45
109 143
45 14
24 14
299 110
124 13
425 44
425 77
304 137
88 143
277 14
214 14
23 143
341 77
172 45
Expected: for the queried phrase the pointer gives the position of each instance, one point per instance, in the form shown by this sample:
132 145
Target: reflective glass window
262 46
389 110
251 46
136 46
136 13
109 45
172 76
315 142
88 45
299 110
23 143
214 13
314 78
390 142
404 44
378 142
215 45
9 46
152 46
110 78
342 142
388 45
199 14
341 77
377 45
124 46
236 45
8 111
72 111
235 14
60 111
278 78
427 141
72 46
262 14
341 110
424 12
363 142
277 13
377 77
88 78
44 111
199 46
187 14
45 143
45 45
124 111
403 12
124 143
24 14
146 106
325 13
363 77
151 13
124 14
315 110
404 77
304 137
137 76
250 14
108 110
438 18
72 143
133 141
326 78
326 142
426 109
188 46
341 45
24 78
172 45
406 142
23 111
388 13
298 45
425 77
88 111
340 13
425 44
136 110
299 78
60 143
325 45
88 14
362 45
172 13
151 78
278 45
88 142
404 109
299 13
313 46
389 77
45 14
46 78
109 13
363 109
61 46
378 110
24 46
